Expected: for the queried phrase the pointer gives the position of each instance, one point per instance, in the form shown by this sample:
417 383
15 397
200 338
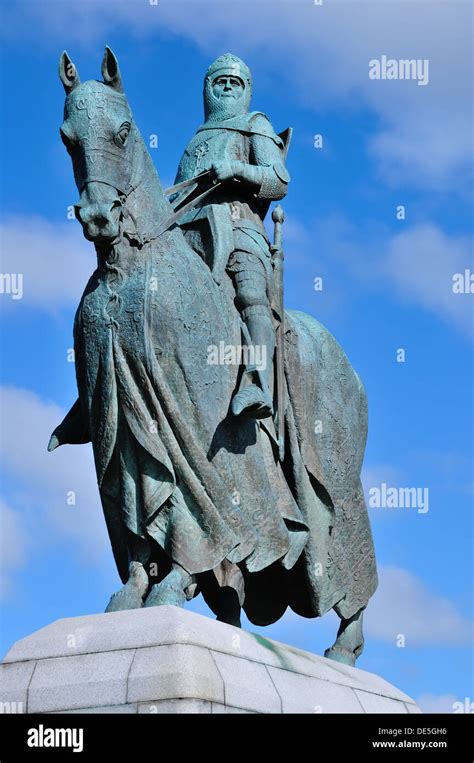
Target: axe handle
280 335
280 372
277 235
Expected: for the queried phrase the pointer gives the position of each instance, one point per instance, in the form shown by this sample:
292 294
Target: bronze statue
199 495
247 158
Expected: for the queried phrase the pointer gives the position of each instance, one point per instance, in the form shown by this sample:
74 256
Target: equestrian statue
236 478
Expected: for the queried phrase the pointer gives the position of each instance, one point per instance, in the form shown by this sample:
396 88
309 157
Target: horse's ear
111 71
68 73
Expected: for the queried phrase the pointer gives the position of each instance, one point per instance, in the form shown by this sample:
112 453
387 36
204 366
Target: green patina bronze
212 475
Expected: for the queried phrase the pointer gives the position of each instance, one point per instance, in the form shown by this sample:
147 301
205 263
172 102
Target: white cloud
54 259
13 547
374 475
403 604
319 55
42 484
421 263
429 152
416 265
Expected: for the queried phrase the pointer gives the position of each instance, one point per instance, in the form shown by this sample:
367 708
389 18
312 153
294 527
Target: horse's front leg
349 642
131 594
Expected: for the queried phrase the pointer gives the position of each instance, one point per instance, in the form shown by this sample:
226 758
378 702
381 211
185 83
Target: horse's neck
146 209
147 205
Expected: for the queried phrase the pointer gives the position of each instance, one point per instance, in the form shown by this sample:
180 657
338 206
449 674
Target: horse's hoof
124 599
252 402
341 654
165 594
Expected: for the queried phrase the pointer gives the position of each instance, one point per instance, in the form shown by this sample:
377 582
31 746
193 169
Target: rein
186 200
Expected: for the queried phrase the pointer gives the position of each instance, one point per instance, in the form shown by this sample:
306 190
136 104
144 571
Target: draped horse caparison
197 500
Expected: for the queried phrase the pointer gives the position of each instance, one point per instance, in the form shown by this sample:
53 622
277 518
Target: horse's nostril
91 216
98 218
101 221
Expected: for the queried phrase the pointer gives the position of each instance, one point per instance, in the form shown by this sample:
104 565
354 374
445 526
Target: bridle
190 192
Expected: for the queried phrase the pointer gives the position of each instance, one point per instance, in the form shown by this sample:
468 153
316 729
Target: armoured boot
255 400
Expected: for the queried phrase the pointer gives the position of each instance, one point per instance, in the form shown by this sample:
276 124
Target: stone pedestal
169 660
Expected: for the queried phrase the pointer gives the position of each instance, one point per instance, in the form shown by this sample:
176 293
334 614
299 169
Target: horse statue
194 500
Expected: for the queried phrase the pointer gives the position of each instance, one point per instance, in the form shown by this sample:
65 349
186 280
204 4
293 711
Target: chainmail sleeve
267 152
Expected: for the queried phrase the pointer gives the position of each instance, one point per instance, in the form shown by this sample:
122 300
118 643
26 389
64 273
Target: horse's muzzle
100 221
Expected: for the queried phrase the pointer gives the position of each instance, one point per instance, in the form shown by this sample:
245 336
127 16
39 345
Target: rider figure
247 159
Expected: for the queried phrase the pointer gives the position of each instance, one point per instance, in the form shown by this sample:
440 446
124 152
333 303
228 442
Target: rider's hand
277 252
225 171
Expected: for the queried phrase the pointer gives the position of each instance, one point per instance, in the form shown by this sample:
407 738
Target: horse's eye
122 135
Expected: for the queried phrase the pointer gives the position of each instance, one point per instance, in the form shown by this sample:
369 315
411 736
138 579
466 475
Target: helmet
214 108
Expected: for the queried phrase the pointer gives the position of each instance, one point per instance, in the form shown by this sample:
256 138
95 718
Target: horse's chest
112 315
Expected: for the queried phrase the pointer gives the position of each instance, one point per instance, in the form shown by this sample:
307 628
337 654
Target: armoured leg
349 642
252 300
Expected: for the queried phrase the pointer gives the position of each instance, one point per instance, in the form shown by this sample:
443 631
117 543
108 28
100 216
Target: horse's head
100 137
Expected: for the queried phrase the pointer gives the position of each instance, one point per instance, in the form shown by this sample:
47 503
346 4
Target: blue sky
387 285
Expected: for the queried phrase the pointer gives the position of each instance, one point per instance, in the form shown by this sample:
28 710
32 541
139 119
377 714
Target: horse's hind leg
177 586
349 642
131 594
